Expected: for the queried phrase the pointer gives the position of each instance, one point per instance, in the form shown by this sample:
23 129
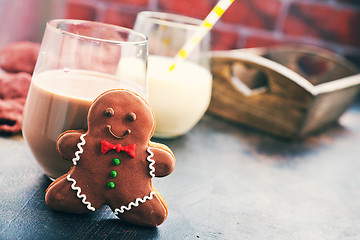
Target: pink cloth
17 61
19 57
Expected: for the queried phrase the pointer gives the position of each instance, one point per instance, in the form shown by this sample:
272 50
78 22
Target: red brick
324 22
80 11
131 2
254 13
197 8
119 17
223 40
269 41
259 41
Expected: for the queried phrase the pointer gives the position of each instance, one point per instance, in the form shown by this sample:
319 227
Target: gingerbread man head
121 115
114 162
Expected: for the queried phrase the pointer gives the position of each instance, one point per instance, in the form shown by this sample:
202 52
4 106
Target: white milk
134 69
178 98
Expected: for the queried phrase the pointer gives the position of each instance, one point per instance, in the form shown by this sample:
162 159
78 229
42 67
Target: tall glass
78 61
179 98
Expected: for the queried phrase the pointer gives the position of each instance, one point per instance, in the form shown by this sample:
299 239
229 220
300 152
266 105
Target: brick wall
331 24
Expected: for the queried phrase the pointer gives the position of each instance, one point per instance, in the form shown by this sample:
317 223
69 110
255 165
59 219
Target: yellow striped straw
204 28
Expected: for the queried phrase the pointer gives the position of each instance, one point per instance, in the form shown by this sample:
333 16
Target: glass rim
52 26
171 19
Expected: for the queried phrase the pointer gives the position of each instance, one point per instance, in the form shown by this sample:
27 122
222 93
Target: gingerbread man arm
66 144
164 159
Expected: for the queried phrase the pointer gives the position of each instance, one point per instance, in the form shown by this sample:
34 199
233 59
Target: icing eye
131 116
109 112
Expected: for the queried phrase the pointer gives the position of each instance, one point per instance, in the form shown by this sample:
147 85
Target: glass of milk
179 98
78 61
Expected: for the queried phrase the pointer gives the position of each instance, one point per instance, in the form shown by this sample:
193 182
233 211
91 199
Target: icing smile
126 133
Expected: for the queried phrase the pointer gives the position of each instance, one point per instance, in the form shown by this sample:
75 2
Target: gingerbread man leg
60 196
150 213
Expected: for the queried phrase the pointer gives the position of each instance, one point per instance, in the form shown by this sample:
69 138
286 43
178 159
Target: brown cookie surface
114 162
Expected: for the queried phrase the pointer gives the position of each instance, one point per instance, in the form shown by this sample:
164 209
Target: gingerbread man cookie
114 162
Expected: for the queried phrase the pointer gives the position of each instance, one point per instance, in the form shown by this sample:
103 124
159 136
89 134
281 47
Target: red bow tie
106 146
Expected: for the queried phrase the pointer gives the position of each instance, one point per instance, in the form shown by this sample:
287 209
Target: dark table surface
230 182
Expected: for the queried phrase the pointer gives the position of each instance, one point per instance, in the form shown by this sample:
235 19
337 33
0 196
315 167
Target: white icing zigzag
78 194
80 151
151 162
134 204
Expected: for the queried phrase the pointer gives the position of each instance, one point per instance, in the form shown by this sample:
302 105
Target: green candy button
113 174
110 185
116 161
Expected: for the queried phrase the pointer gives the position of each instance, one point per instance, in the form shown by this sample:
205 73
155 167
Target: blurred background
331 24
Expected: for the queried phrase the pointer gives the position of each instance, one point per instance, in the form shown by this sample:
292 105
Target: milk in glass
179 98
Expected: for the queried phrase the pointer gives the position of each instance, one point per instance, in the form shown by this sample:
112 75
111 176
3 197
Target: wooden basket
289 91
